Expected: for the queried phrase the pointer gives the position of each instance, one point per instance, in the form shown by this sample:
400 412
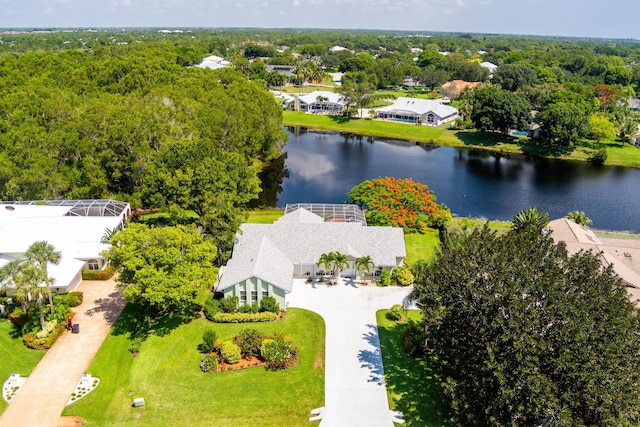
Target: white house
214 62
267 257
337 48
74 227
319 101
412 110
489 66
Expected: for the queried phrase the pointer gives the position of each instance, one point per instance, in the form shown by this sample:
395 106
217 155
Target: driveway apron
44 395
355 390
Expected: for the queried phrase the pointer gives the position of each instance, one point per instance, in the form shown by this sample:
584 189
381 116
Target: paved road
355 390
43 397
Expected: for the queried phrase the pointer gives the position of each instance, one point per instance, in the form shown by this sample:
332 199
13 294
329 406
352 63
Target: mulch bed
251 362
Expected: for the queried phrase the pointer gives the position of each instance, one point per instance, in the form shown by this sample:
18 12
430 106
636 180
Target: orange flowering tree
399 203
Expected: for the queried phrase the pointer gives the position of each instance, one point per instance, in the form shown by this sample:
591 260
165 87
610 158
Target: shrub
105 274
395 313
403 276
72 299
413 339
209 338
209 363
244 308
385 277
230 352
278 352
269 304
255 308
244 317
249 341
45 343
19 318
230 304
136 344
211 307
599 157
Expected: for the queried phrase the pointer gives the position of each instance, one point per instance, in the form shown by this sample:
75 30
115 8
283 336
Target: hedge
105 274
265 316
72 299
31 341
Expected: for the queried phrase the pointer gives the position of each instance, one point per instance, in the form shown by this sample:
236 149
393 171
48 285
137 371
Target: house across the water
319 101
267 257
417 110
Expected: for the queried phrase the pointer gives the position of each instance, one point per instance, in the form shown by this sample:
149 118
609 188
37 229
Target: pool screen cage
331 212
95 207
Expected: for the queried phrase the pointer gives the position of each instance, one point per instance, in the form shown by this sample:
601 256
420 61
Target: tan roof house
623 254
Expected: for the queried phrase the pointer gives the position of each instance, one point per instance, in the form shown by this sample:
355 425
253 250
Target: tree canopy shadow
111 307
414 382
135 321
543 148
372 359
340 119
485 139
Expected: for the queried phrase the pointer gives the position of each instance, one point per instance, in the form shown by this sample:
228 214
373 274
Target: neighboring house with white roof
319 101
623 254
337 48
214 62
267 257
489 66
412 110
75 228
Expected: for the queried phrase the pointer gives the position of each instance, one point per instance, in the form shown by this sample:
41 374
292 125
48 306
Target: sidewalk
355 389
40 402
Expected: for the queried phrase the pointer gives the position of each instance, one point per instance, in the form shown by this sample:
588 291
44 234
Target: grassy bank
166 373
620 155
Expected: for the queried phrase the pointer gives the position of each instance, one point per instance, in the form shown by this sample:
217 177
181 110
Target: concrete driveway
44 395
355 390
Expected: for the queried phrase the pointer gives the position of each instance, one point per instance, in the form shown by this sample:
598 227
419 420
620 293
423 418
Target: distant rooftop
331 212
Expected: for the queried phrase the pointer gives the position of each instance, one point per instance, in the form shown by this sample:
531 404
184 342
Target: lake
324 166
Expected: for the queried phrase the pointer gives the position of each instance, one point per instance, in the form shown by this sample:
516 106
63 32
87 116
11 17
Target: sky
573 18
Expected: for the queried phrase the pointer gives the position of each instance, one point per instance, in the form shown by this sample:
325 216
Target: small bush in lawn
403 276
230 352
230 304
278 352
209 338
385 277
413 339
136 343
249 341
270 304
209 363
211 307
395 313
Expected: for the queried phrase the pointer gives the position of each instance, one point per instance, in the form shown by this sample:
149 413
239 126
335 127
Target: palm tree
530 219
364 264
580 218
41 253
325 260
8 275
28 279
340 261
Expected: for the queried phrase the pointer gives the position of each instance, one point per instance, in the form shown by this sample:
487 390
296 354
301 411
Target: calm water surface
323 167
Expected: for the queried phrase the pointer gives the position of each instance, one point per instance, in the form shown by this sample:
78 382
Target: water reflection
325 166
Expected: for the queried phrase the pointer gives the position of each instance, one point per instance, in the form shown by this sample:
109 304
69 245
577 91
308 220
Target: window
265 293
243 297
93 264
254 296
431 118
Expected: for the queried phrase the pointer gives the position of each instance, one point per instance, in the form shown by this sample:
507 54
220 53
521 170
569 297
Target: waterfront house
417 110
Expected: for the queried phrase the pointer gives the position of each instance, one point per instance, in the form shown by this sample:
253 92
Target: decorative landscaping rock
11 387
85 386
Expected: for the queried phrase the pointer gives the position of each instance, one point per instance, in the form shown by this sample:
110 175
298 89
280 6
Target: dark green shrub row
211 307
105 274
244 317
31 341
72 299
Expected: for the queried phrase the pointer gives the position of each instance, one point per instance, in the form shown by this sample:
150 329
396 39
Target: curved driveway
355 391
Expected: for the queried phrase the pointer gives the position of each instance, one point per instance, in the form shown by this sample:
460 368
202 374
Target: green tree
499 110
340 262
580 218
601 127
512 77
563 123
519 326
325 260
29 279
358 89
364 264
42 253
163 269
530 219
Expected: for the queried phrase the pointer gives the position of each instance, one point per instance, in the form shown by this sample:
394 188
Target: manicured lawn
14 356
421 246
264 216
166 373
413 384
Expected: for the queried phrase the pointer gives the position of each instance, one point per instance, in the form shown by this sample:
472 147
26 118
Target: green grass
421 246
264 216
413 384
15 357
166 373
619 155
